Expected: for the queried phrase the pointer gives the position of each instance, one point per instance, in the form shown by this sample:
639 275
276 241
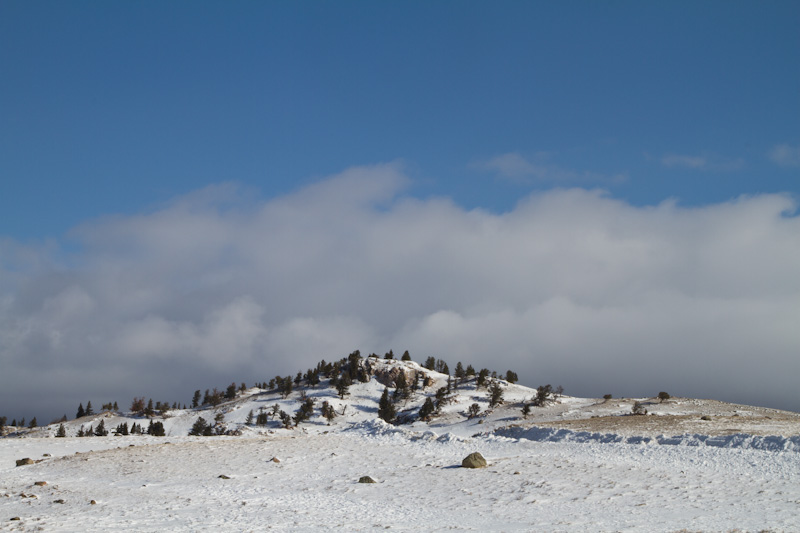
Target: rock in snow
474 460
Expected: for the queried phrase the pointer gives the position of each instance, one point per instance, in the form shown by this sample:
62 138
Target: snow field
175 486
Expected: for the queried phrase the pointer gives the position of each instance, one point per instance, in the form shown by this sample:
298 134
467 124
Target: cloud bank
571 287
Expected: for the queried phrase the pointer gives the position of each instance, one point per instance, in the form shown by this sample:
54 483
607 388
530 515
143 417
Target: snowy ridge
772 443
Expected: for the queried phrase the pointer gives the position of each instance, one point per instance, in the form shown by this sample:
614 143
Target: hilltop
360 405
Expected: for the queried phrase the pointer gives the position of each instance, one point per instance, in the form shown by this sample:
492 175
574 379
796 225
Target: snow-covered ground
541 476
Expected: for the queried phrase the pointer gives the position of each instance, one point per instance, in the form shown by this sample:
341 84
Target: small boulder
473 460
40 483
275 460
15 518
25 461
366 479
93 502
59 501
223 476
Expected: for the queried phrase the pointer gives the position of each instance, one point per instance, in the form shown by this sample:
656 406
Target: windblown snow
559 469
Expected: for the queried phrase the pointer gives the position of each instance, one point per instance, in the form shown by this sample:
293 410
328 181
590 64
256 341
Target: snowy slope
545 472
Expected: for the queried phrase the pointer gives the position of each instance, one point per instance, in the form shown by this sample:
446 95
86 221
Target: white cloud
572 287
710 162
515 167
785 155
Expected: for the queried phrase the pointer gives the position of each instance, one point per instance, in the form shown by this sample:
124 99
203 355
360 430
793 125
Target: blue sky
114 108
576 164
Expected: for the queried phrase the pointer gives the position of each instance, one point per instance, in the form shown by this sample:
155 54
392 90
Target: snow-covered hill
558 469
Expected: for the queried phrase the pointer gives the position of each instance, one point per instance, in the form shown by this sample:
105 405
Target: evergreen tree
343 386
386 410
81 412
116 407
543 393
473 411
80 431
470 371
526 409
196 399
101 429
495 394
426 410
216 397
249 420
33 423
199 427
62 431
482 375
430 363
286 419
206 398
149 410
305 411
406 356
89 410
402 390
156 429
2 425
286 387
22 422
230 393
511 376
328 412
389 355
459 373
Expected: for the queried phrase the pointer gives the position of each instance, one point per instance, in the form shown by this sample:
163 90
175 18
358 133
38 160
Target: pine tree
33 423
249 420
305 411
286 419
386 410
495 394
426 410
473 411
511 376
460 374
156 429
526 409
101 429
230 393
406 356
196 399
401 391
430 363
328 412
482 375
89 410
343 386
81 412
62 431
470 371
199 427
